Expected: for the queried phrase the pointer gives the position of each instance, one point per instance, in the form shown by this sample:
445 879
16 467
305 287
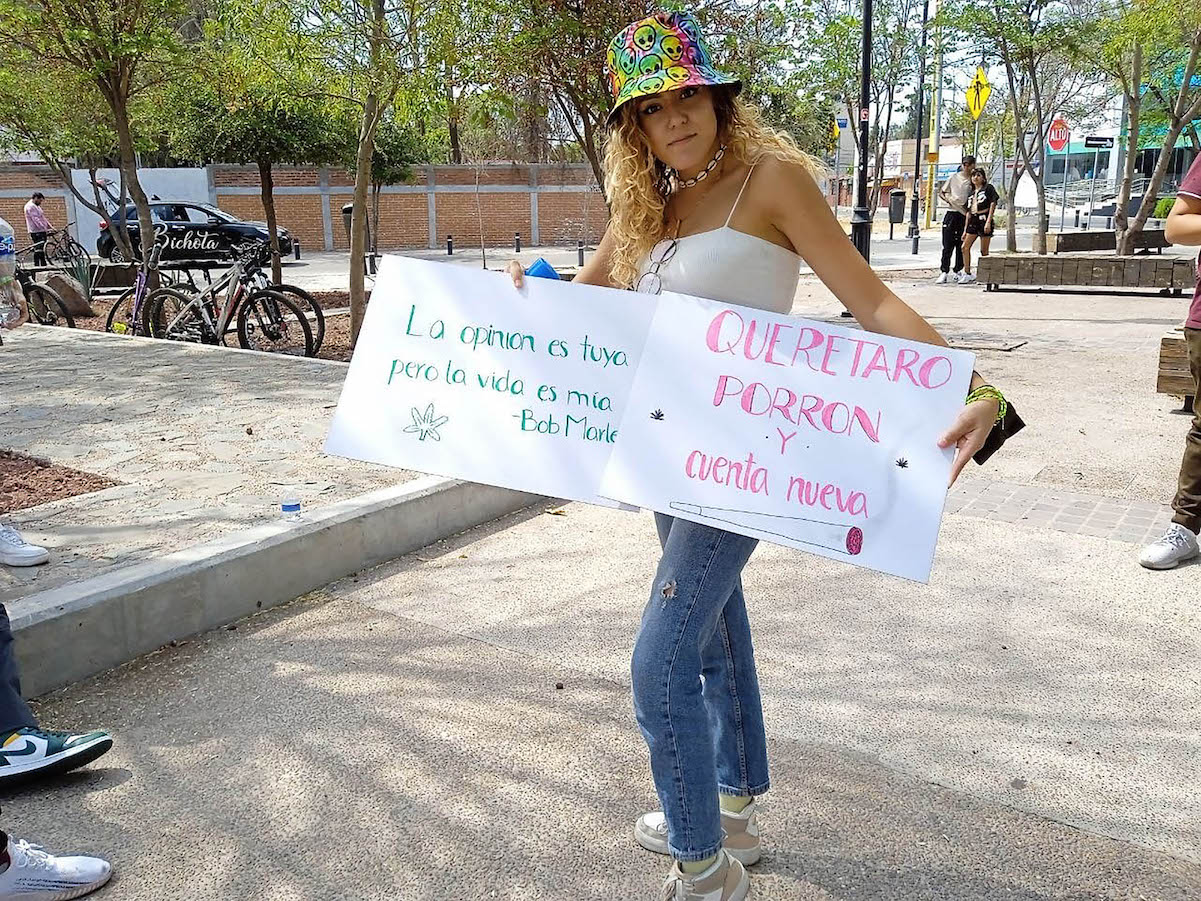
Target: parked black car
189 231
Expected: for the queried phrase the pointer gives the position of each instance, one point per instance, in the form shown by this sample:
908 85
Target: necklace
698 203
704 173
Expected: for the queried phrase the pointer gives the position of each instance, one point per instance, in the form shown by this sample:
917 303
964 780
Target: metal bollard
579 249
517 242
450 245
371 263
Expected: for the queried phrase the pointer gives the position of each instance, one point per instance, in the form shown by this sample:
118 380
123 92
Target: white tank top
729 265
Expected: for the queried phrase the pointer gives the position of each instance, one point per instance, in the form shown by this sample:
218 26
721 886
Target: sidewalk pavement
1024 727
203 442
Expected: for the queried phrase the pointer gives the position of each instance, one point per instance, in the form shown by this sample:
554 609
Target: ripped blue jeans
696 695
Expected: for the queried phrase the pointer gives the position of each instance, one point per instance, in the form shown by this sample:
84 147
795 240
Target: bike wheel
304 299
121 320
68 252
269 321
175 316
46 307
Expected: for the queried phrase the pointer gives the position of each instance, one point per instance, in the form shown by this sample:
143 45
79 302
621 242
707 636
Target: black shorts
975 226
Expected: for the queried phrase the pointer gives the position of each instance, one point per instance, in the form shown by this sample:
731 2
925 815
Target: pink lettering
928 368
745 475
815 340
879 362
784 439
831 350
775 337
714 334
722 393
904 364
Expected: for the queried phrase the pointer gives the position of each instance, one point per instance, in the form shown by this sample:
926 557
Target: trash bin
896 207
346 211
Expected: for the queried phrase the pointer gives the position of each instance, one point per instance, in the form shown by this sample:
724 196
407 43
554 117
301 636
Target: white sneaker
965 278
1177 545
942 279
725 880
34 875
740 834
16 551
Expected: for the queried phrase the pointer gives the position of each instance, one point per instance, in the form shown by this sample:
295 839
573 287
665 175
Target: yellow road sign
837 131
977 93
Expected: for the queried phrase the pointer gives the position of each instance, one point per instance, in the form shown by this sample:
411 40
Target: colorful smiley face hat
663 52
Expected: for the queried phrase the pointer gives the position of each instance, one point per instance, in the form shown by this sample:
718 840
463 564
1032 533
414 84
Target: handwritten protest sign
801 433
456 373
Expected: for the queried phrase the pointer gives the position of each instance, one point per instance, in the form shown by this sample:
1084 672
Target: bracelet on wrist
988 392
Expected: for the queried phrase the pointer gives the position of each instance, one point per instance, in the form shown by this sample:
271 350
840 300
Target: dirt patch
29 481
336 345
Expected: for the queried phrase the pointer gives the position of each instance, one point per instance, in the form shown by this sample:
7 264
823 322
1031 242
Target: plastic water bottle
9 311
289 508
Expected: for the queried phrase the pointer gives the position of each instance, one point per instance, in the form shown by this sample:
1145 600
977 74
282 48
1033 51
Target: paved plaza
1024 727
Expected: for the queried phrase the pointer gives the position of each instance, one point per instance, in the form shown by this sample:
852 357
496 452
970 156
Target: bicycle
128 314
266 319
58 248
45 305
255 278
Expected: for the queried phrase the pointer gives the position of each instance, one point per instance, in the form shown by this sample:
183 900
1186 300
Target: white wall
169 184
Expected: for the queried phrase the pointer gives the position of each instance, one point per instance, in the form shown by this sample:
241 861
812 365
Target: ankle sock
734 803
692 867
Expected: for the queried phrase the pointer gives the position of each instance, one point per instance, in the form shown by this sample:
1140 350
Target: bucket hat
663 52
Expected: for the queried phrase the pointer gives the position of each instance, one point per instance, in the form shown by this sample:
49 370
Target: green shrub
1162 207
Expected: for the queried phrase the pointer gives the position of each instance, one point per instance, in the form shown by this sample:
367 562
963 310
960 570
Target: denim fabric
696 695
14 712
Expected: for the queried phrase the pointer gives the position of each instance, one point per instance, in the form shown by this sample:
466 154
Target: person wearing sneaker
1179 543
955 192
16 551
708 200
29 873
982 204
26 750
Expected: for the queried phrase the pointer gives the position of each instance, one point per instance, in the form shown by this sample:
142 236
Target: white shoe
34 875
1177 545
16 551
725 880
965 278
740 834
942 279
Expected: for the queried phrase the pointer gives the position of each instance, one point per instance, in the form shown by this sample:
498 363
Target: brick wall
12 210
564 216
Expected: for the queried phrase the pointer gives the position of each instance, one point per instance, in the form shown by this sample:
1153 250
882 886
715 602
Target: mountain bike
128 315
45 305
266 320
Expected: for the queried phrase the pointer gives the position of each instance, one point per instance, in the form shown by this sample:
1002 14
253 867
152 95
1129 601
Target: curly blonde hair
637 187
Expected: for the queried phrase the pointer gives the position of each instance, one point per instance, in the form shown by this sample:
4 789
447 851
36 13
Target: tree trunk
358 216
372 111
1134 105
1011 193
452 126
267 187
129 169
376 188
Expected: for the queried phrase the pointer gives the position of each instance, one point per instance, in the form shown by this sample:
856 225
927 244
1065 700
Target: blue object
542 269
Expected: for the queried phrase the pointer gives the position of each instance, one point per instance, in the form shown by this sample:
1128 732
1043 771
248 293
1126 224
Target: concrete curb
74 631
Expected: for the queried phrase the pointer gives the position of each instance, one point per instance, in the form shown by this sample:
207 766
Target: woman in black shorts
981 204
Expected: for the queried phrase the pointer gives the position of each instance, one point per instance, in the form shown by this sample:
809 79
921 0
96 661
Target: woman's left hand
969 432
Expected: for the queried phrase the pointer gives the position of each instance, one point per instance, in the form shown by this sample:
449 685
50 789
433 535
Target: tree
1034 41
398 147
226 109
119 48
836 71
1149 49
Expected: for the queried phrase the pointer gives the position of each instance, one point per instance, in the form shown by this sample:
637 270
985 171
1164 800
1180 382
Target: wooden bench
1174 374
1166 275
1073 242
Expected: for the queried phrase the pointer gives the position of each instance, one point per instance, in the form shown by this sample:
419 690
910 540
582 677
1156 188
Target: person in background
39 227
982 204
1179 542
955 192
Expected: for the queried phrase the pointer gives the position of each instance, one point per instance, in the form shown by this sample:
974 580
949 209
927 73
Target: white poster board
457 373
806 434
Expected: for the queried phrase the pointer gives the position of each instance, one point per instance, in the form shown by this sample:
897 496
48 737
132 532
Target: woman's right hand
516 273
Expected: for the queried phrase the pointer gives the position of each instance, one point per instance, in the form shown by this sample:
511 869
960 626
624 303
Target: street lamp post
861 220
914 231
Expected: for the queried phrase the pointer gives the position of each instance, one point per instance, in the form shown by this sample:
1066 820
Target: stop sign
1057 136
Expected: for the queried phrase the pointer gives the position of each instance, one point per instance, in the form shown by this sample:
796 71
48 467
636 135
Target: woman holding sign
707 200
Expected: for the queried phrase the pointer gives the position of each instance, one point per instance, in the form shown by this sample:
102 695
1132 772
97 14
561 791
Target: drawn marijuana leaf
657 416
425 425
902 463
